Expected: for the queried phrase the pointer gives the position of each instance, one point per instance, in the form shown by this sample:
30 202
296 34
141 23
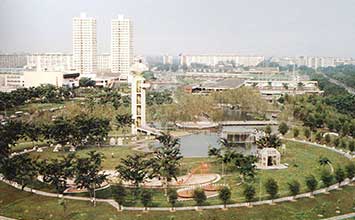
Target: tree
86 82
327 138
345 129
327 178
21 169
119 194
199 196
269 141
166 159
245 165
146 198
172 196
336 142
214 152
133 168
296 132
350 171
271 188
343 143
225 195
339 175
249 192
123 120
57 172
307 133
283 128
294 187
323 161
351 146
61 131
319 137
268 130
311 183
32 132
10 133
88 173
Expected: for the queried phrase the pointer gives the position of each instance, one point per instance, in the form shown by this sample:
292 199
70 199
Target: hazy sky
267 27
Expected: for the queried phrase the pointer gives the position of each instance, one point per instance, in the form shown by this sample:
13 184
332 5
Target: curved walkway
341 217
245 204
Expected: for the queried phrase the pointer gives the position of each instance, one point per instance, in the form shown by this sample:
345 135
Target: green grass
302 160
109 163
22 205
27 145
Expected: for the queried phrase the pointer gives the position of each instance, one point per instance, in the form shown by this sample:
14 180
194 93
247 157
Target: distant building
313 61
220 85
11 81
121 45
213 60
12 60
264 70
50 62
273 89
167 59
84 44
56 78
104 63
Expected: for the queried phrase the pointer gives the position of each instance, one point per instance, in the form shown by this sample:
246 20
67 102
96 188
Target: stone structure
138 90
269 157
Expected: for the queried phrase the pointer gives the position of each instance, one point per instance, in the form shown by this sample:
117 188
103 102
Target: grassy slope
21 205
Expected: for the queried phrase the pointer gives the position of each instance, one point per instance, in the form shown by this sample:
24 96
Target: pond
198 144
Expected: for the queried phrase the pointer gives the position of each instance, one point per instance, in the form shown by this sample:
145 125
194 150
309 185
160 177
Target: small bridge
149 130
247 123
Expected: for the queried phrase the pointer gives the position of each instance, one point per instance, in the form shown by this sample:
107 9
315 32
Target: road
332 80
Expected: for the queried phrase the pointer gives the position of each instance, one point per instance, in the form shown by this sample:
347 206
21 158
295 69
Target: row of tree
317 114
77 131
43 94
85 171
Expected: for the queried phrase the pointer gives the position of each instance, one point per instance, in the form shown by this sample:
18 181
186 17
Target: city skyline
275 28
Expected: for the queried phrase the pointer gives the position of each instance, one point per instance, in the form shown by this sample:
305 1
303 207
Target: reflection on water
197 145
236 115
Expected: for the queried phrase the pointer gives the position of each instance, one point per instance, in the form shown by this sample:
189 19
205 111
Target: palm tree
166 160
269 141
214 152
323 161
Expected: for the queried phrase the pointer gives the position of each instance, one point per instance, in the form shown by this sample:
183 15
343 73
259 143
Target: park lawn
27 145
23 205
108 164
302 160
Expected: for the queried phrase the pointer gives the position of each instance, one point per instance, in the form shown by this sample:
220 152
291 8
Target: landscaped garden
71 154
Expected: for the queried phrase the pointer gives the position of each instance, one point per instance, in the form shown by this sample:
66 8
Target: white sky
266 27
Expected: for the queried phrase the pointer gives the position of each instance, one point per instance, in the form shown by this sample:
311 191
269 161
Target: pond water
197 145
236 115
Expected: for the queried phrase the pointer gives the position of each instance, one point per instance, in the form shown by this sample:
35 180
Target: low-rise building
216 59
272 90
220 85
56 78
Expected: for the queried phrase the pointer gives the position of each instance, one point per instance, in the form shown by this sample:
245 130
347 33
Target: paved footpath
340 217
5 218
